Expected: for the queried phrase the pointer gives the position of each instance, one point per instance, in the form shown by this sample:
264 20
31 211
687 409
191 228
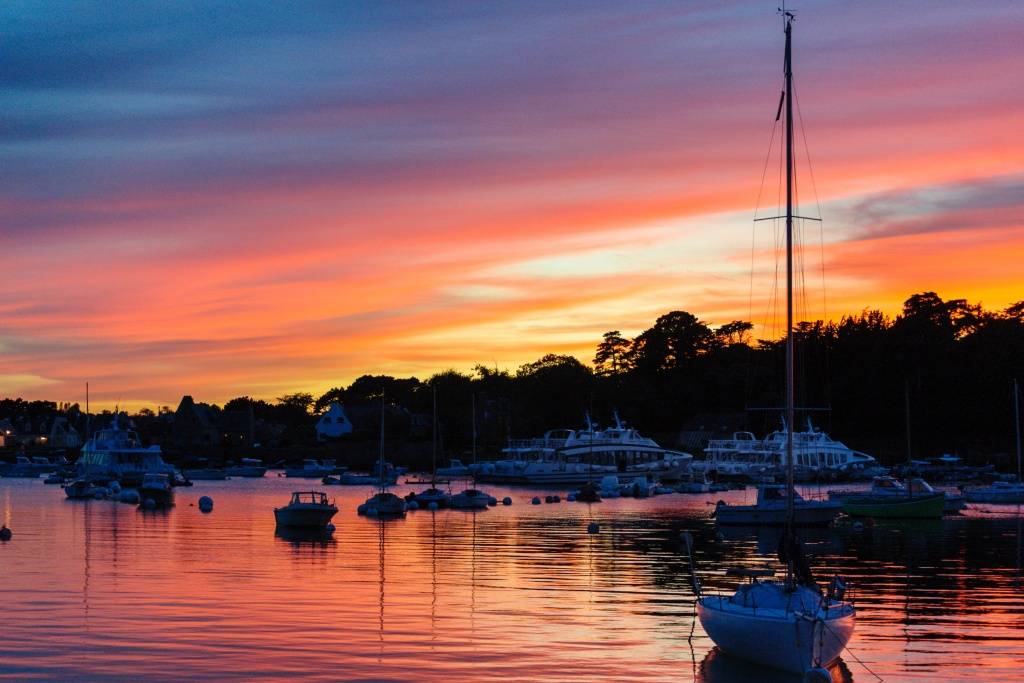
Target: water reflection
718 667
299 537
99 590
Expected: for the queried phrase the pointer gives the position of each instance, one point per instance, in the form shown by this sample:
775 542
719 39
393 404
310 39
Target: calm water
101 590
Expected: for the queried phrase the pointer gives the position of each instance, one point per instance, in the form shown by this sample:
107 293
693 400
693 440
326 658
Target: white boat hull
775 638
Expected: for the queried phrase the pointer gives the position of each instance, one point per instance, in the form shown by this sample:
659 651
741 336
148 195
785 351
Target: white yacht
815 453
574 457
116 453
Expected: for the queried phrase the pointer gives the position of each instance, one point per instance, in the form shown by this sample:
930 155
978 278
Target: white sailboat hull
775 638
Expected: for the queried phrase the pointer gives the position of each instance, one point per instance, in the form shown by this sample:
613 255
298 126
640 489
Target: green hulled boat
913 507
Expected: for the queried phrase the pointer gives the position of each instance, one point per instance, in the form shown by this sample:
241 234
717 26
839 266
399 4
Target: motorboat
695 484
454 469
817 456
116 453
249 467
205 474
356 479
431 495
470 499
307 510
792 624
83 489
889 487
311 469
999 492
566 457
771 509
24 467
156 487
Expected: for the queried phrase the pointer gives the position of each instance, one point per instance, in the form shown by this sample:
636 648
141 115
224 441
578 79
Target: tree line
945 367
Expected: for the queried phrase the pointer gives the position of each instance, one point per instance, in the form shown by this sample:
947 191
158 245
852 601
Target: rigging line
821 237
817 202
850 652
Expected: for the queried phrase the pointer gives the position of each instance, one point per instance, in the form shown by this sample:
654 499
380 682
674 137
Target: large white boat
116 453
816 456
574 457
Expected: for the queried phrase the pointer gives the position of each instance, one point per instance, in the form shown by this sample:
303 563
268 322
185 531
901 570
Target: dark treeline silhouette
953 362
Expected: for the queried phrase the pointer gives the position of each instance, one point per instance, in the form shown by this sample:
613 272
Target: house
195 424
333 424
63 435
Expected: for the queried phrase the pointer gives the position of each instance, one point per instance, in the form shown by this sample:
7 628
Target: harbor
533 342
518 592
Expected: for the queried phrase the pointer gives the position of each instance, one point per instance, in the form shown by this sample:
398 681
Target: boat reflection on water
815 539
718 667
303 536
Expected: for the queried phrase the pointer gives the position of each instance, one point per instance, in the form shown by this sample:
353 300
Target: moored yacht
117 454
574 457
816 456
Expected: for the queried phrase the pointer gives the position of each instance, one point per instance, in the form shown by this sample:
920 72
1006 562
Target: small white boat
205 474
307 509
470 499
1000 492
311 469
83 489
354 479
249 467
770 509
156 487
454 469
385 504
432 495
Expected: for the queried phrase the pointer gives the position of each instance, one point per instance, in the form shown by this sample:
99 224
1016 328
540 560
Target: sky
260 198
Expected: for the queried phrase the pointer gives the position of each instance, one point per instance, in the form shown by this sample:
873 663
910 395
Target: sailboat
433 494
1003 491
791 624
472 498
383 503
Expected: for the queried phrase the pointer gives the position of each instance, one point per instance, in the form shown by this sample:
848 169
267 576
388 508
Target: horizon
287 202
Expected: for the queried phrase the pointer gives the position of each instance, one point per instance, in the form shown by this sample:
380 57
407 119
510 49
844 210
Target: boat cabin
308 498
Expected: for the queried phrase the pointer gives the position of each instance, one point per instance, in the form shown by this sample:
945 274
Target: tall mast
380 463
1016 423
474 426
433 439
789 278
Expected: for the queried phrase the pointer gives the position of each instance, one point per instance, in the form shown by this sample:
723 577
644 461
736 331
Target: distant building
63 435
195 424
333 424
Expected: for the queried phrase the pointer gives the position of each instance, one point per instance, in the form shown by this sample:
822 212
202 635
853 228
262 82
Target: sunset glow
224 205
